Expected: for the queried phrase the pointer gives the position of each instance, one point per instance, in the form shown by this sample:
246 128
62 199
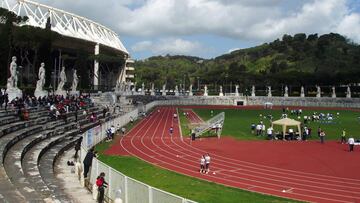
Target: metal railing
121 186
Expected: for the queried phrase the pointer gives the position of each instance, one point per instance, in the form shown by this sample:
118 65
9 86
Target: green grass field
237 122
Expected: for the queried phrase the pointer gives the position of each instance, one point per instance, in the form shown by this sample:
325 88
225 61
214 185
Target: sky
209 28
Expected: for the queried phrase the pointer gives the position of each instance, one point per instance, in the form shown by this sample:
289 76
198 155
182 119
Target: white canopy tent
285 122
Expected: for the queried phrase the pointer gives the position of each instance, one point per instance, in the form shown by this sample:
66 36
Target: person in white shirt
351 143
270 133
258 129
202 164
207 163
291 133
112 130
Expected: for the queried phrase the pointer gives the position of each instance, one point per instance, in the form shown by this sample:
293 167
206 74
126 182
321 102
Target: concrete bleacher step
15 170
13 167
9 136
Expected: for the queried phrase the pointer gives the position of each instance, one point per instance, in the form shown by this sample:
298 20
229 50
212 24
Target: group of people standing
205 163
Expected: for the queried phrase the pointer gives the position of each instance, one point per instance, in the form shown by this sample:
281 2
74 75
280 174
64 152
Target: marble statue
286 93
164 90
221 91
11 86
333 92
318 91
236 90
39 91
152 91
176 90
143 89
13 80
348 92
253 91
191 91
62 79
269 91
60 89
75 81
302 92
206 91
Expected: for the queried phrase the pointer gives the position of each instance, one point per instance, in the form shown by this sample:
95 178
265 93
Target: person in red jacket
102 184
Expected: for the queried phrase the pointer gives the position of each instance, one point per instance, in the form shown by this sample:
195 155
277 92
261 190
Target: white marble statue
318 91
164 90
191 91
39 91
152 91
286 93
142 89
13 80
253 91
176 90
221 91
236 90
269 91
348 92
12 89
302 92
62 79
75 81
41 82
333 92
206 91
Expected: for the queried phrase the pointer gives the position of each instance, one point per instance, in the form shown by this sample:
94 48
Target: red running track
306 171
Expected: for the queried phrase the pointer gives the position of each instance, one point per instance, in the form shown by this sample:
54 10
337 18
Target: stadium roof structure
64 23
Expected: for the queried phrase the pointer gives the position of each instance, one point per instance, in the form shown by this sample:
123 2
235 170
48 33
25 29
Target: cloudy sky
208 28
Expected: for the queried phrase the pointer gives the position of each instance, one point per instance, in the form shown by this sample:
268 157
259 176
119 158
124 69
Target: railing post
126 190
150 194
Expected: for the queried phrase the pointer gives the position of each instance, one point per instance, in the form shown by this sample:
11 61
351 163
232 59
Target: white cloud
168 46
246 20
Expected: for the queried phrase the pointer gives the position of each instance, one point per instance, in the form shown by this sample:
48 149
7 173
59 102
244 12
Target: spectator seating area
30 147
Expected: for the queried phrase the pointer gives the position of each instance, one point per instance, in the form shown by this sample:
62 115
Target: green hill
329 59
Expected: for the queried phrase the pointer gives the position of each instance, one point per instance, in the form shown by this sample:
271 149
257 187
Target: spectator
88 161
202 164
207 163
101 184
78 147
123 129
270 133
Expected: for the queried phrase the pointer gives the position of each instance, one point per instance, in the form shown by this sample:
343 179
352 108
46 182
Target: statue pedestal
286 95
177 94
75 93
191 94
206 94
13 93
61 92
237 94
221 94
252 94
333 95
270 95
152 93
318 95
302 95
40 93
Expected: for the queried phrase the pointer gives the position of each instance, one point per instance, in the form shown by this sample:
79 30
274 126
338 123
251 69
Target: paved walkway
70 181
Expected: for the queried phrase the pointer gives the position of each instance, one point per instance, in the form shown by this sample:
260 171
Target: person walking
101 184
322 137
351 143
343 137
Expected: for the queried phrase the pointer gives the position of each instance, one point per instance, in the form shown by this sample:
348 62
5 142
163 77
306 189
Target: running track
298 170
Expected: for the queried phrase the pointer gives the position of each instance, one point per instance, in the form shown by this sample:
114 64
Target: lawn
238 121
190 188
